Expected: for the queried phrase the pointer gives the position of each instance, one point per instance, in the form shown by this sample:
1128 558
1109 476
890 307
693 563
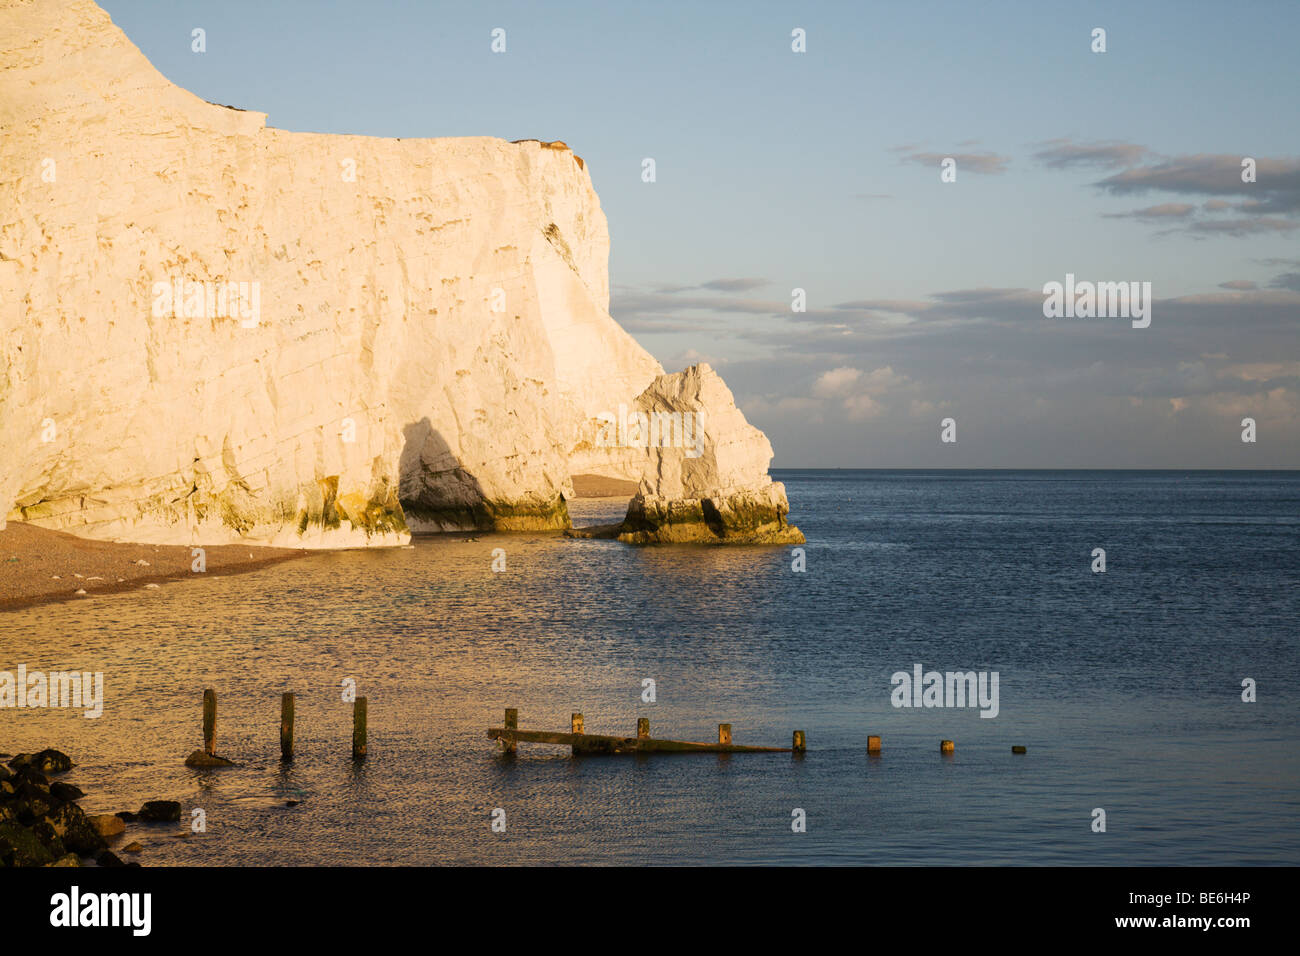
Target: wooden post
575 724
724 733
873 745
512 723
800 743
945 746
359 729
643 726
1018 749
286 726
210 722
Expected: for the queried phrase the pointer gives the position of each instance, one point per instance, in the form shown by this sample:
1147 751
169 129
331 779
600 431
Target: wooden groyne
208 756
642 743
510 736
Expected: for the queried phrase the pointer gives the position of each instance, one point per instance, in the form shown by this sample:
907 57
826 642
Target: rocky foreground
42 825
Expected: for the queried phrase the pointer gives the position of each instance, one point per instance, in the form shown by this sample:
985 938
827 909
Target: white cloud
836 382
859 407
858 392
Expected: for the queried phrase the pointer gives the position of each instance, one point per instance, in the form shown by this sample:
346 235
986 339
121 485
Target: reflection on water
1125 686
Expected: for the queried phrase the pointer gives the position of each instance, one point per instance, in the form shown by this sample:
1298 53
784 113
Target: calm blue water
1125 686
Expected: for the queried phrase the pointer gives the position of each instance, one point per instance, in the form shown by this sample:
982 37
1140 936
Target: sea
1156 700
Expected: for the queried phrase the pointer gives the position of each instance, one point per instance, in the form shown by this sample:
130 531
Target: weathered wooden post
512 723
800 744
210 722
945 746
359 729
286 726
583 743
873 744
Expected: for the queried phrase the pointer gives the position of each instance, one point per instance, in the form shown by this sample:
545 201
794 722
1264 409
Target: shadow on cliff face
439 494
436 492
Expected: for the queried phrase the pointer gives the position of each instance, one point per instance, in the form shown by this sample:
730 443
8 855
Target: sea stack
715 490
312 340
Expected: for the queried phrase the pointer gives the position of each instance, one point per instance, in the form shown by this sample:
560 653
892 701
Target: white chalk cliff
371 336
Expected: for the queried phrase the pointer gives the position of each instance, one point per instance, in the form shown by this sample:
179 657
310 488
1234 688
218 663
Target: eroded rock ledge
709 487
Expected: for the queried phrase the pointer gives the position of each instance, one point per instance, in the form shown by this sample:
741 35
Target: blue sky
819 170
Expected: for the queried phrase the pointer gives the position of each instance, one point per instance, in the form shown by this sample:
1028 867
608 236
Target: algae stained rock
712 486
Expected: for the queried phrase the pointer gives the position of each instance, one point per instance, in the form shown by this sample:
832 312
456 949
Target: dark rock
201 758
133 847
109 858
49 837
20 847
65 791
72 824
47 761
165 811
595 531
32 802
54 761
5 772
292 803
68 859
126 815
30 774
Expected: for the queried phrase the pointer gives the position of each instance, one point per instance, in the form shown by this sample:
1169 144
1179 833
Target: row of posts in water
286 725
798 745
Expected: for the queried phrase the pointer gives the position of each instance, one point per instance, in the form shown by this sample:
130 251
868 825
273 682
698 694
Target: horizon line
1011 468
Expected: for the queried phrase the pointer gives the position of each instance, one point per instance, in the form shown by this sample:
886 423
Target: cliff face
213 330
